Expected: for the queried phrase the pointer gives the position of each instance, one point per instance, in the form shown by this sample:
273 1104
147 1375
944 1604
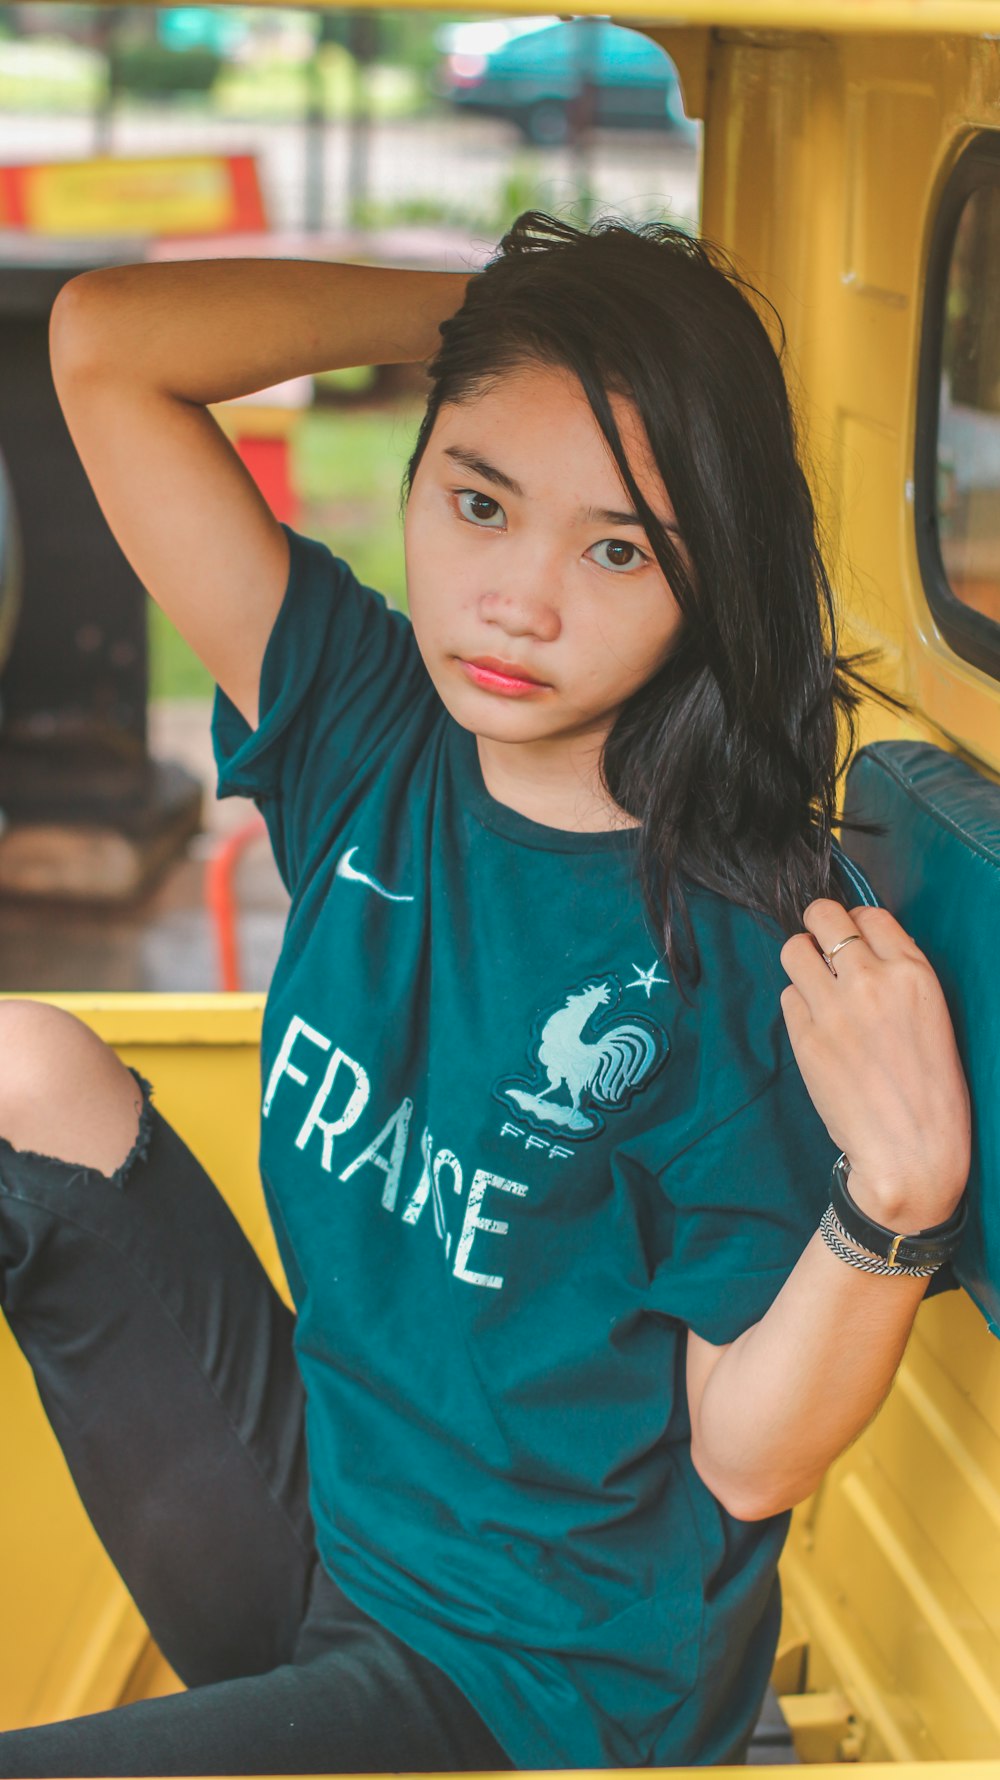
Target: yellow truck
851 163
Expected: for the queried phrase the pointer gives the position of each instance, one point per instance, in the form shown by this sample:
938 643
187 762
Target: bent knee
37 1037
64 1092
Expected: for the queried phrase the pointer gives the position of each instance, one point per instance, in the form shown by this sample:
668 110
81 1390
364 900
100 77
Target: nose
525 601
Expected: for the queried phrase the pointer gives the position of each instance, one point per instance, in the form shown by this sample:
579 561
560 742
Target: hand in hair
874 1041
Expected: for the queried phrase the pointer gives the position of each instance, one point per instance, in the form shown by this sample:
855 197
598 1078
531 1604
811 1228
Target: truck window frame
971 634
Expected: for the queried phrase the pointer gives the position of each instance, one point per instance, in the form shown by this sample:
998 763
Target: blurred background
132 133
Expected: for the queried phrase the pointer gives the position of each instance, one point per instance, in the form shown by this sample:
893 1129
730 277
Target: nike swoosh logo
346 870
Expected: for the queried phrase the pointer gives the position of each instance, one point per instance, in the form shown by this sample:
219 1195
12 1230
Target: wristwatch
930 1247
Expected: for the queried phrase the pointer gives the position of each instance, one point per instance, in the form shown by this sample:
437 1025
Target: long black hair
731 753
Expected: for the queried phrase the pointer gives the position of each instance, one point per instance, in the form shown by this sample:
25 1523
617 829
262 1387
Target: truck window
957 467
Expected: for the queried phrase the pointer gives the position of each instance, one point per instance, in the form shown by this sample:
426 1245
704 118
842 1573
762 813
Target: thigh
358 1702
163 1357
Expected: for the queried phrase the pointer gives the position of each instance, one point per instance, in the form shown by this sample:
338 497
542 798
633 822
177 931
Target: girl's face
519 546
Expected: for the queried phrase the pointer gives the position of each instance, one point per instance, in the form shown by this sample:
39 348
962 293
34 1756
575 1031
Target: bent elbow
739 1502
752 1508
77 333
742 1504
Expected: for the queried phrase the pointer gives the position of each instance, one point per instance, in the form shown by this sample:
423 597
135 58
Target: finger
803 953
795 1009
885 937
812 976
830 925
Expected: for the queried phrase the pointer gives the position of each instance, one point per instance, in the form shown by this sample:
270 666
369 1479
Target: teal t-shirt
507 1166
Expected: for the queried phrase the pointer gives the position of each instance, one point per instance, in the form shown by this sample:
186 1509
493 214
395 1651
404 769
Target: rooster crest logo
603 1067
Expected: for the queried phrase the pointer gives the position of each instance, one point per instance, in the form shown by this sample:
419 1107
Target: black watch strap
928 1247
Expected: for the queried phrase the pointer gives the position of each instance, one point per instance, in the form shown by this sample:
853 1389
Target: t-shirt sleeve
341 668
743 1201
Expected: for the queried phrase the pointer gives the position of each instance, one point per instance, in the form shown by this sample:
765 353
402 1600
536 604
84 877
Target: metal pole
363 44
314 203
107 27
584 112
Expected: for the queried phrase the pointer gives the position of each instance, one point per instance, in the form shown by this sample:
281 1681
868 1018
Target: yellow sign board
200 194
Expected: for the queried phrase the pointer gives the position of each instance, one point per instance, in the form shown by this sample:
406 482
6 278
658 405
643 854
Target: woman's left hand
876 1048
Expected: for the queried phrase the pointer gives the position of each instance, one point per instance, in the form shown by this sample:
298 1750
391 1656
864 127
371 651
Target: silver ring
841 943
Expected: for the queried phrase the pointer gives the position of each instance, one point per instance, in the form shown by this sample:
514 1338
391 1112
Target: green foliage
351 380
174 669
522 190
488 213
152 70
408 38
280 89
349 467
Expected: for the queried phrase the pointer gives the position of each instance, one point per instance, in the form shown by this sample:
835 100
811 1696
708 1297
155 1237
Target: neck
552 782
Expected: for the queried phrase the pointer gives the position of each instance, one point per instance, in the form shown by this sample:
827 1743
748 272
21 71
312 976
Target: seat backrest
936 868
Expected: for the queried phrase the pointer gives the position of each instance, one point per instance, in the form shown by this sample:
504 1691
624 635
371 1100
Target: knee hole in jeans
46 1046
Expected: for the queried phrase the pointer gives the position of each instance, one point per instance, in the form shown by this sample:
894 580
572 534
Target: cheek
632 639
422 555
433 582
429 542
444 576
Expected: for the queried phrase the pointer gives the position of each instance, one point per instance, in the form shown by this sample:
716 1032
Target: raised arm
139 352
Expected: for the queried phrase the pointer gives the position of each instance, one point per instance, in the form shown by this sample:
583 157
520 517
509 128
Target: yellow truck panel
830 132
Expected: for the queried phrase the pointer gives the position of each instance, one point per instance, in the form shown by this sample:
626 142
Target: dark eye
481 509
621 554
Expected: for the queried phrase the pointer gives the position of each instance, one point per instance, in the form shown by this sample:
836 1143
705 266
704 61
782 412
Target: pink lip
492 680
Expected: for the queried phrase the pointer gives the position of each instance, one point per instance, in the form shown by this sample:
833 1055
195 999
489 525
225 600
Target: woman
561 1048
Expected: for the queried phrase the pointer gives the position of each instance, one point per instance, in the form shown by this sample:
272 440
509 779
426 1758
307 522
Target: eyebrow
481 466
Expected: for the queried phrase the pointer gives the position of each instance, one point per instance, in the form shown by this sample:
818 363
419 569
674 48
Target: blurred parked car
538 78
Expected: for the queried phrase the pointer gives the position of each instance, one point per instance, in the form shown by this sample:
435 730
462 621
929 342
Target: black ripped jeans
163 1357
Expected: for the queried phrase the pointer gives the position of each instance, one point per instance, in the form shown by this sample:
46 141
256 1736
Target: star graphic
646 979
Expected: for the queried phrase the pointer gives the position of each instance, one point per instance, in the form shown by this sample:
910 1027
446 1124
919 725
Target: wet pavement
165 940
